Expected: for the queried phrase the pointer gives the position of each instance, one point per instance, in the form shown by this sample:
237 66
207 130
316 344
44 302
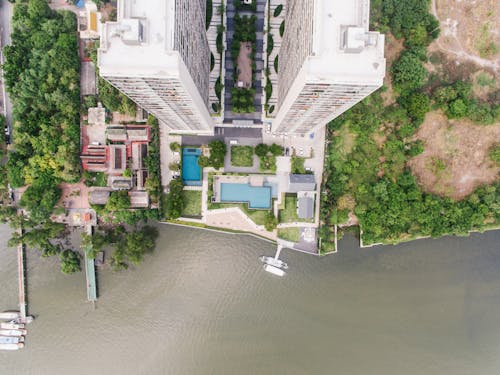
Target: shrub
277 10
212 61
276 61
276 150
203 161
270 43
261 150
495 153
175 147
282 28
209 13
417 105
271 221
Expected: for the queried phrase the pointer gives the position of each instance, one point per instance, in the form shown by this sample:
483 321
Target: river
201 304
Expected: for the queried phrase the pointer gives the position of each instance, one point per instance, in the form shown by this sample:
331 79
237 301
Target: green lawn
298 165
289 213
242 156
289 234
192 203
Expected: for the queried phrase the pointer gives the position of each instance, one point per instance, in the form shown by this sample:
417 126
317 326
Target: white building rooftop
344 50
141 40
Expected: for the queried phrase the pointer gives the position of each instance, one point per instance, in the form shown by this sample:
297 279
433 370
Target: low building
90 21
305 204
99 196
301 182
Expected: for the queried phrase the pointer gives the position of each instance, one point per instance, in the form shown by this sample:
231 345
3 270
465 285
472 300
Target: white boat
17 346
11 325
274 262
274 270
12 332
11 340
9 315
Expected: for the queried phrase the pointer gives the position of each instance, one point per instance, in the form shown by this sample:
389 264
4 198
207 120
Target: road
5 30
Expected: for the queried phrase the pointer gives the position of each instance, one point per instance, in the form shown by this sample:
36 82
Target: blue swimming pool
191 171
256 197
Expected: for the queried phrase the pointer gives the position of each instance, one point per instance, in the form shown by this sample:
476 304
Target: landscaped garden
243 47
242 156
267 156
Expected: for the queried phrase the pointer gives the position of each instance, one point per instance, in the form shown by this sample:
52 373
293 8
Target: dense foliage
70 262
245 31
42 77
218 151
374 183
132 246
173 203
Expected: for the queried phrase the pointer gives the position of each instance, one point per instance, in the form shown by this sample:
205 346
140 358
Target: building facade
329 61
157 54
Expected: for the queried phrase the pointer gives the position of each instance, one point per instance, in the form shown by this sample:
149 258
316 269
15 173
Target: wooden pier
21 281
90 272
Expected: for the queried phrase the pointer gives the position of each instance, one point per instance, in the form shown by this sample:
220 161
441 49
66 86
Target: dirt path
449 29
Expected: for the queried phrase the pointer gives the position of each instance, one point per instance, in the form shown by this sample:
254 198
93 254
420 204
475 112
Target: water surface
201 304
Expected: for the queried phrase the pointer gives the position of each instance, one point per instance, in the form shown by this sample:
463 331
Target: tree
276 150
218 151
408 73
118 200
70 262
261 150
174 201
417 105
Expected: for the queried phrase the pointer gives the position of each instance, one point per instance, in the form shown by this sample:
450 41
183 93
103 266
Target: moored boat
11 325
274 262
11 340
12 332
17 346
8 315
274 270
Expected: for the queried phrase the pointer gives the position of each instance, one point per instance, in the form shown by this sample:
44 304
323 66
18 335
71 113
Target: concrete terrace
212 43
245 119
274 23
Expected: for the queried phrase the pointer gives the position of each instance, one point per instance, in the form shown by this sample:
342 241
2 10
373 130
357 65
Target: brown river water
202 304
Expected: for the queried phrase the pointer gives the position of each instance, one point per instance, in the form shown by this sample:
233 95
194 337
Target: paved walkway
233 218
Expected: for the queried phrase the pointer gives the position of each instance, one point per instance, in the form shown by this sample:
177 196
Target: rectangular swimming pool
191 171
256 197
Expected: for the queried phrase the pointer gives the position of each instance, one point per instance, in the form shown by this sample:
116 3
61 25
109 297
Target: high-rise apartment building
328 62
157 54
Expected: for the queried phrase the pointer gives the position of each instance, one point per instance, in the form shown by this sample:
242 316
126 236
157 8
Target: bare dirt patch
245 65
455 160
469 31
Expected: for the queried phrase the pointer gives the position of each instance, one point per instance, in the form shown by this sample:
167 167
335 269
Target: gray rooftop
306 208
301 182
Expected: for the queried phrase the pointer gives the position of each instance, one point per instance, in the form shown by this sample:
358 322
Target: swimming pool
191 171
256 197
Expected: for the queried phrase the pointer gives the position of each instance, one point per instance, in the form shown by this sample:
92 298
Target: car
268 128
287 151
